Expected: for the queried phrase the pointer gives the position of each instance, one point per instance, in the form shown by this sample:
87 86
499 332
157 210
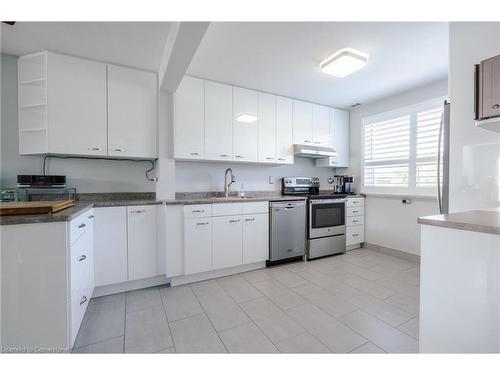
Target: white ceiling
136 44
283 58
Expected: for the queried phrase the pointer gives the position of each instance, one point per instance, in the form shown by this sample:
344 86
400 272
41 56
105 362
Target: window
400 150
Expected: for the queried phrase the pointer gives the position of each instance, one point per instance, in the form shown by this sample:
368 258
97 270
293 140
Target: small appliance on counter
343 184
43 188
326 229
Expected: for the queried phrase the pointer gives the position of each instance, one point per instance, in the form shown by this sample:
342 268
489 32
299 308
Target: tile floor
359 302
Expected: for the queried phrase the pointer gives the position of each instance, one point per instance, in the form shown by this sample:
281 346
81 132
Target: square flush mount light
246 117
344 62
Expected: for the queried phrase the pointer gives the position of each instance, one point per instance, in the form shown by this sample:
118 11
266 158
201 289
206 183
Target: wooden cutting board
41 207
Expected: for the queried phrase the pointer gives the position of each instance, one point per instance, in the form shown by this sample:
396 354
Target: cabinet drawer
197 210
355 202
255 208
355 234
355 220
355 211
226 209
79 303
79 225
82 263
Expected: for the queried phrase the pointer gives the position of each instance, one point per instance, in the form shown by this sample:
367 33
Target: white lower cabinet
197 245
355 222
255 238
110 244
226 241
141 238
228 235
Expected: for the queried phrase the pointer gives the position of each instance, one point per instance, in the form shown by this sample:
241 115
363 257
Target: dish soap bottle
242 192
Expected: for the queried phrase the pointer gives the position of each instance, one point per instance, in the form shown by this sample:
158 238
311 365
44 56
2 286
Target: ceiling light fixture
344 62
246 117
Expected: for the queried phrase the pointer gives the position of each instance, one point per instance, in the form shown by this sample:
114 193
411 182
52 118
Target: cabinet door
302 122
218 121
189 122
110 245
245 130
142 252
491 87
227 242
340 136
76 106
132 112
255 238
321 125
174 240
197 245
267 128
284 130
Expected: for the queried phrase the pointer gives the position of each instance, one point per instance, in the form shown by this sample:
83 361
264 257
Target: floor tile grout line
97 342
168 323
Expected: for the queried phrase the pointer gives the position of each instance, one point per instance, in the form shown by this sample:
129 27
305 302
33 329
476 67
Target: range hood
314 152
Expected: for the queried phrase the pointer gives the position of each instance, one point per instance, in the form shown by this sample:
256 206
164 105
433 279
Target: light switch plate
271 180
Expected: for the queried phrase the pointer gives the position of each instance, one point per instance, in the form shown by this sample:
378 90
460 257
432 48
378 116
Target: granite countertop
484 221
67 214
209 200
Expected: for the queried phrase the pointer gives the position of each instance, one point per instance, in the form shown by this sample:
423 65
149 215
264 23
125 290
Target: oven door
326 217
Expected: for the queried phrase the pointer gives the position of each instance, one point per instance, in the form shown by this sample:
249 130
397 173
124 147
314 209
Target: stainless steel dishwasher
287 240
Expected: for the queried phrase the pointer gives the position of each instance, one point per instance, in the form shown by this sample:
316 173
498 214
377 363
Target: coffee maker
343 184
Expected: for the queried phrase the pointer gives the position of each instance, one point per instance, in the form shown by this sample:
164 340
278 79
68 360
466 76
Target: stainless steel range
326 234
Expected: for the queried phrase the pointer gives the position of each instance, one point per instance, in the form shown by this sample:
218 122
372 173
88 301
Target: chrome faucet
226 184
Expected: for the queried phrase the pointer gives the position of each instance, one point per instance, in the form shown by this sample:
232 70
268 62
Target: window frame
411 189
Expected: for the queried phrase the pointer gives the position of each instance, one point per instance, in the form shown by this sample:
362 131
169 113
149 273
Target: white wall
474 152
388 222
86 175
197 176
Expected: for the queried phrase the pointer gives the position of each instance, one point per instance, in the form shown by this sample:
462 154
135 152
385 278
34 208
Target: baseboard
129 285
394 252
352 247
187 279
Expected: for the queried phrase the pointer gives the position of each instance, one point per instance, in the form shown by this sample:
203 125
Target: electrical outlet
406 201
271 180
330 180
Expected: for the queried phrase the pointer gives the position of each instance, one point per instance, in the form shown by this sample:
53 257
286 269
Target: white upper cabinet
339 129
189 128
267 128
76 106
302 122
321 125
132 112
284 130
245 124
218 121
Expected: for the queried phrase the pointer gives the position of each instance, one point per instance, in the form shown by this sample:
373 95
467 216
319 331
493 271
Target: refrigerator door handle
440 138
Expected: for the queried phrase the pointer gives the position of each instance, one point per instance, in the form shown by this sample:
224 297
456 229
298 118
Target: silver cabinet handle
354 221
84 299
118 149
281 159
194 153
250 219
269 158
95 149
496 106
234 221
238 156
355 212
205 223
82 258
317 142
355 202
355 235
307 141
90 217
224 156
137 211
197 211
82 225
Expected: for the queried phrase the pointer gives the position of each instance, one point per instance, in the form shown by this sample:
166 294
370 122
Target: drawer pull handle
238 156
205 223
496 106
307 141
82 258
224 156
355 202
138 211
94 149
197 211
82 225
355 211
269 158
281 159
90 217
84 299
317 142
118 149
355 235
249 219
234 221
195 153
354 221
